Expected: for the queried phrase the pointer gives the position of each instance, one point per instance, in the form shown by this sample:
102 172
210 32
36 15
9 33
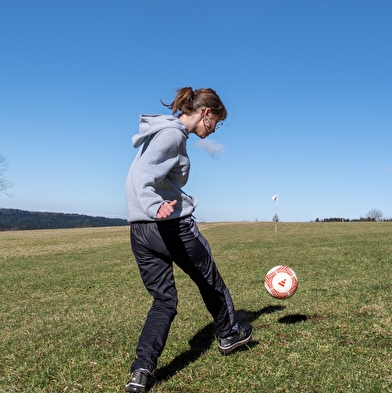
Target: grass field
73 305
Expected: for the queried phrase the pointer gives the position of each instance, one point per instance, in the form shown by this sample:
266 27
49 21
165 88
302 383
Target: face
208 124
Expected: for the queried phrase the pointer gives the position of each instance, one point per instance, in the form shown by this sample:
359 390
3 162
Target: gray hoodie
159 170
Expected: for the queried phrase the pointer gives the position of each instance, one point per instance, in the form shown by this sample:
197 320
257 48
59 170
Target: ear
206 112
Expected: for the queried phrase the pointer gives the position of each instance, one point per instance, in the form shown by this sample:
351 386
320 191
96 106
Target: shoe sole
238 344
135 389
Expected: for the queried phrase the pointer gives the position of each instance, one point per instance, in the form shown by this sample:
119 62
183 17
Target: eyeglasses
219 124
208 125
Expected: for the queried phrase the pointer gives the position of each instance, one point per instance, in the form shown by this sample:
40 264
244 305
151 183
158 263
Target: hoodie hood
151 124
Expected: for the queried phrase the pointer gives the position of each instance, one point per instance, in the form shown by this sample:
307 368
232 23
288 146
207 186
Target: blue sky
307 84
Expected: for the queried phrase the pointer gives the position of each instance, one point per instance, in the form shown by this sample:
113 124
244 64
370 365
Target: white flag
275 198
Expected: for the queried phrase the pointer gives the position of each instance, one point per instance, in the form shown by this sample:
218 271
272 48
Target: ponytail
188 101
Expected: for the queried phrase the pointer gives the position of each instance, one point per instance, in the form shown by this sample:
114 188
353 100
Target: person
163 229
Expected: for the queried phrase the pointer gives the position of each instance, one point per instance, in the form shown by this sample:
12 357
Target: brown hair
188 101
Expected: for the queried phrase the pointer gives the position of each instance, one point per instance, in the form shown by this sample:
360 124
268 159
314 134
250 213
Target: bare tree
5 184
375 215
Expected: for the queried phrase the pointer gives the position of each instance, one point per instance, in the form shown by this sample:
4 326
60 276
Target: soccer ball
281 282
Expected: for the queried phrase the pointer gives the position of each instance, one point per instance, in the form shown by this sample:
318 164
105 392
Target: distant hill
14 219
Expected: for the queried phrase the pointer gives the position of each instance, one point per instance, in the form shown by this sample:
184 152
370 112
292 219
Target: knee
167 307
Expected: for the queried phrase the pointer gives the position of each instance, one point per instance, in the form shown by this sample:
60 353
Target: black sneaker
138 382
236 339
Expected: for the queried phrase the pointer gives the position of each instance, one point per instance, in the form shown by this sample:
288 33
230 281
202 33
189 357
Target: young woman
163 230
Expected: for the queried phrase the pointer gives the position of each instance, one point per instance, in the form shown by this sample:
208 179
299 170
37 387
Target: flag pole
276 199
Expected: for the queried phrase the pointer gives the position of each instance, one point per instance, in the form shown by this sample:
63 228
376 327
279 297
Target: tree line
14 219
373 215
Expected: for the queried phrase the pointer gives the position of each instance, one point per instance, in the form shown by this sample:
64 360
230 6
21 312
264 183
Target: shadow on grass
203 340
291 319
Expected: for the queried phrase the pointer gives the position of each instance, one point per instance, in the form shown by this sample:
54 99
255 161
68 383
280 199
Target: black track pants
155 246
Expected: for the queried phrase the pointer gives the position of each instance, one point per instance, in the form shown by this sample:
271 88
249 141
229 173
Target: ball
281 282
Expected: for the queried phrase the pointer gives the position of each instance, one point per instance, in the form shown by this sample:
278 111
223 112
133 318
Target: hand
166 209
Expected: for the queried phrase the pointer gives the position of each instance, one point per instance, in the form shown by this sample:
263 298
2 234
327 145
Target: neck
190 121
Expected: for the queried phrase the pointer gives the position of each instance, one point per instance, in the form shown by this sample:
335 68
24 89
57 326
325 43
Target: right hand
166 209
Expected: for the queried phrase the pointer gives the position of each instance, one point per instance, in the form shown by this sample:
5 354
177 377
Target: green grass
73 306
